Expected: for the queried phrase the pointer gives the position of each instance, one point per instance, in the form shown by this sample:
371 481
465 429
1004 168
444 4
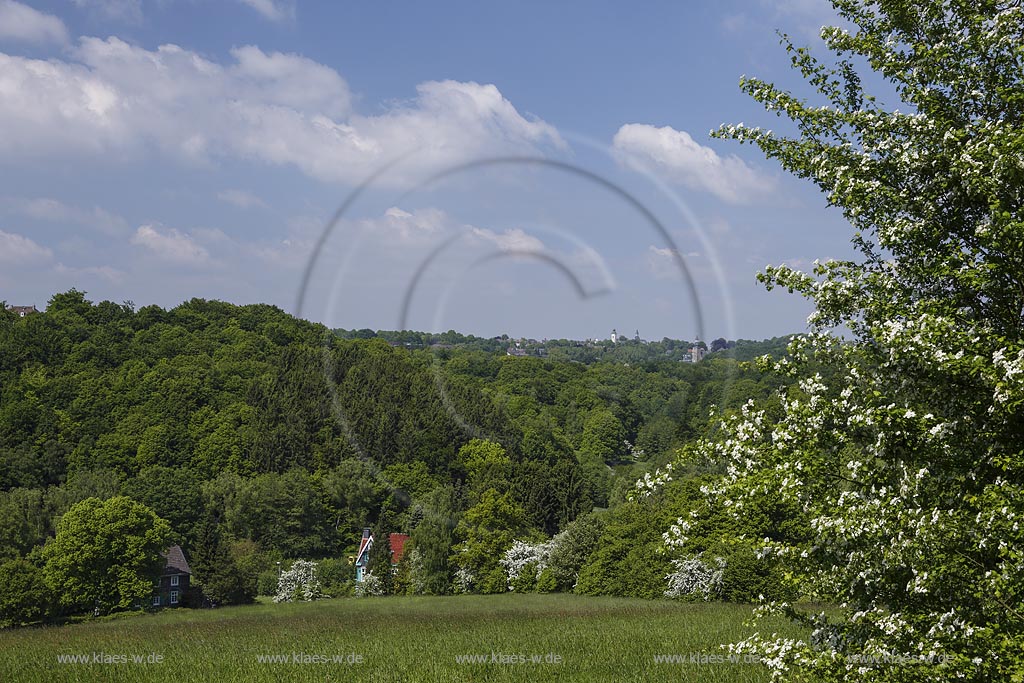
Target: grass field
396 639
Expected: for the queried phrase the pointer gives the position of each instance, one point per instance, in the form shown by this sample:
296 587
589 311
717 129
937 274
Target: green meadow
394 639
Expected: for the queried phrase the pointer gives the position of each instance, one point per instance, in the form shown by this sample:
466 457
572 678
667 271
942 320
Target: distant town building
517 349
22 311
696 354
615 336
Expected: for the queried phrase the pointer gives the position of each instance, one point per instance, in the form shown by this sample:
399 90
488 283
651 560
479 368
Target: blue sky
158 151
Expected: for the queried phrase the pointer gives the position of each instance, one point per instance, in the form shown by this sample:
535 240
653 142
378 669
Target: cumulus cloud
117 99
663 264
404 226
274 10
18 250
431 226
513 240
23 23
170 245
680 159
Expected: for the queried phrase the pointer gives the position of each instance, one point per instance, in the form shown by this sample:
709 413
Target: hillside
290 439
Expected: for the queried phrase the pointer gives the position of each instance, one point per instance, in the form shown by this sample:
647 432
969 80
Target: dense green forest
261 438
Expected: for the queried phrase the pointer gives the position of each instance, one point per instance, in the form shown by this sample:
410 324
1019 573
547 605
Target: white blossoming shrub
418 579
370 586
464 581
695 578
523 564
299 582
904 443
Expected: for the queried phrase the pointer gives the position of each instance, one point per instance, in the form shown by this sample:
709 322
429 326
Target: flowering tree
485 532
907 457
300 582
524 563
371 585
694 577
464 581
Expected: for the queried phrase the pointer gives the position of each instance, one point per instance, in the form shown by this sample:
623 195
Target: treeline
625 350
260 438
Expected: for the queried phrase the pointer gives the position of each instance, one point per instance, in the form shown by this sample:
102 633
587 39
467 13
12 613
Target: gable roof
397 546
176 563
364 547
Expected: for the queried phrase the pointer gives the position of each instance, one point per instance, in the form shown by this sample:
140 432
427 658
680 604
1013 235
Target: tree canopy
907 460
106 554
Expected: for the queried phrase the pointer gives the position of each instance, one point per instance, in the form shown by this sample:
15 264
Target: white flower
299 582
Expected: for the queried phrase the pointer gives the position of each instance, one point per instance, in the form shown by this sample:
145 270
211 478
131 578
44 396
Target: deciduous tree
909 462
106 554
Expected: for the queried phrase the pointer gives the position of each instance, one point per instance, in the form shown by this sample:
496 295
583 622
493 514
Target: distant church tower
615 336
637 337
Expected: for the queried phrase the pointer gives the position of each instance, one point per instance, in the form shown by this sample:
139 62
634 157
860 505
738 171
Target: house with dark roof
22 311
397 542
174 579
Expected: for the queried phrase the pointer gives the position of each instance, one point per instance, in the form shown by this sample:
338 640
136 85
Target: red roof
397 546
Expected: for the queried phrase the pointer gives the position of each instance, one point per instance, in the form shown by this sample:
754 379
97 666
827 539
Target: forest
260 439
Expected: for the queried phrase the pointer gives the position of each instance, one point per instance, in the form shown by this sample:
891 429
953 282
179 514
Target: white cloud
23 23
400 226
275 79
118 10
241 199
274 10
680 159
131 10
170 245
56 211
117 99
514 240
18 250
426 226
663 264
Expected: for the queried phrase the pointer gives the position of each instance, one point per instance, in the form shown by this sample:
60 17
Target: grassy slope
400 639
